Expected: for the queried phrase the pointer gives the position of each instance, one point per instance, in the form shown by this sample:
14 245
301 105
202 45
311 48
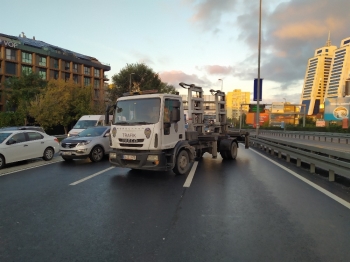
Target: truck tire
182 164
232 153
199 154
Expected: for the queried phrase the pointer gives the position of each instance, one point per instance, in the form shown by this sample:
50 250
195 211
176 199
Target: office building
339 81
316 78
19 55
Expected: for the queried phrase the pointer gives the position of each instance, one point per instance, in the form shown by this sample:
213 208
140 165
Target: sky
191 41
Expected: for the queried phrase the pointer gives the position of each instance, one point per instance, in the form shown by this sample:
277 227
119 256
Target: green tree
19 93
137 77
21 90
61 103
167 89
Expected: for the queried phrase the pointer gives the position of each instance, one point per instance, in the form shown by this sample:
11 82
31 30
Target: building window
10 68
55 63
86 70
76 79
97 94
26 70
26 58
55 74
96 83
87 81
66 65
42 61
97 72
42 73
75 68
66 76
10 54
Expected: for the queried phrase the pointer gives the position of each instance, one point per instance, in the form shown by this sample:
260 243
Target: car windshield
91 132
83 124
137 111
3 136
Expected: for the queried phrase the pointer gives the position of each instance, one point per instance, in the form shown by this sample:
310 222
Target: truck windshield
137 111
83 124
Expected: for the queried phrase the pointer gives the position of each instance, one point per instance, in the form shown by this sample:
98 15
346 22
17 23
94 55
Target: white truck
88 121
148 131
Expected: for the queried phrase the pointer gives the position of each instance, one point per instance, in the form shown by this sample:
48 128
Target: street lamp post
258 84
130 82
284 100
222 83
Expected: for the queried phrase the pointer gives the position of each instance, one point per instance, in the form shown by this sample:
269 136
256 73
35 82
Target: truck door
171 127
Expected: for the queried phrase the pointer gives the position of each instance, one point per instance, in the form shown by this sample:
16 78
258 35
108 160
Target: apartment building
234 101
316 78
19 55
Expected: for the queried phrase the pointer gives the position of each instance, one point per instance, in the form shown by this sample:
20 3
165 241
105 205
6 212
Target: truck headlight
112 155
152 158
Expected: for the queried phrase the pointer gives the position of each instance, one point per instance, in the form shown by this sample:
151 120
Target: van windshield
83 124
137 111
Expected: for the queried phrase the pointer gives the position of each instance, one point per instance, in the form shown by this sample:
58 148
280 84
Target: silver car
91 143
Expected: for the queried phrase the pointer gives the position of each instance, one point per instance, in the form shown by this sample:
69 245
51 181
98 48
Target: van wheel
48 154
96 154
182 164
2 161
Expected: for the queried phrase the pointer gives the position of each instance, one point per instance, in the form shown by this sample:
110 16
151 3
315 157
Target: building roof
48 47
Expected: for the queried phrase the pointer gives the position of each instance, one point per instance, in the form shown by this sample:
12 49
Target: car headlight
84 143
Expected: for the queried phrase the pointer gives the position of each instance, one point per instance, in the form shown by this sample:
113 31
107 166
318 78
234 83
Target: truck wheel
182 165
96 154
232 153
223 155
199 154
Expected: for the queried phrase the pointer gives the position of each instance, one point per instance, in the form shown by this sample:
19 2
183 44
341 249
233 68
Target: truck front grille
131 145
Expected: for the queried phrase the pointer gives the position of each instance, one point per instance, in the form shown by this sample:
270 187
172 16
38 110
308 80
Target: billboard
277 107
336 108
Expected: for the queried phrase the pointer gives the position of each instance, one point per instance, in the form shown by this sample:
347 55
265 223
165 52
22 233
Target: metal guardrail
320 136
335 162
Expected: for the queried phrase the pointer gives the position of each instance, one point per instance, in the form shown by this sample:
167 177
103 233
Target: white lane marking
93 175
16 169
191 174
329 194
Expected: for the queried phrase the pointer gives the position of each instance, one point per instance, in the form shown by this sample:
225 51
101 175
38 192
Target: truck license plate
129 157
66 153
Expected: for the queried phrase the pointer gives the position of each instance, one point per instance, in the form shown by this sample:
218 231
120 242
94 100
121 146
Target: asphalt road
249 209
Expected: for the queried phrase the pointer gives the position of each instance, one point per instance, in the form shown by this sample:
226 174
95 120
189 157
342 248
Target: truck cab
145 131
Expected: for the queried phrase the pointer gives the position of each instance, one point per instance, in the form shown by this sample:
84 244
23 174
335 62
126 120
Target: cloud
217 69
209 13
176 77
291 31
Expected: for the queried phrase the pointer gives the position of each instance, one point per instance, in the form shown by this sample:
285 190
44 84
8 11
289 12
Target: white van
88 121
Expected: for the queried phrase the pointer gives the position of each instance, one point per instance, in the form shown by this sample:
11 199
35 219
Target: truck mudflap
145 160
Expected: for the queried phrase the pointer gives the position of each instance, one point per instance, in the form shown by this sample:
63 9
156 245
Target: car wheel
48 154
96 154
2 161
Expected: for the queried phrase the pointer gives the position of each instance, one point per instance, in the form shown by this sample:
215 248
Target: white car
91 143
18 145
